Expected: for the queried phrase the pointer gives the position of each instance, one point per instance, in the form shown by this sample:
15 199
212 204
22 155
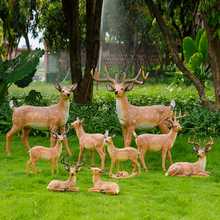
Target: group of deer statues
130 117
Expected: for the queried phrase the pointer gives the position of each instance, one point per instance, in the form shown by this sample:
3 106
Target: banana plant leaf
203 46
198 37
189 48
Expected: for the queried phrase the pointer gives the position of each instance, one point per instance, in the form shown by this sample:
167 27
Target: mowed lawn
151 195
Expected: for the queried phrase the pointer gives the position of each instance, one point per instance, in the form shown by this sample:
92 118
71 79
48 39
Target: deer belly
122 157
38 126
45 157
154 148
89 147
145 126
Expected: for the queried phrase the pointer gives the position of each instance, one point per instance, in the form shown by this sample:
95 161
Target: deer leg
52 163
117 162
163 126
56 165
80 154
109 191
124 130
28 164
74 189
14 130
62 129
164 153
136 164
52 140
24 137
94 190
91 155
102 155
129 135
34 161
169 157
112 164
142 155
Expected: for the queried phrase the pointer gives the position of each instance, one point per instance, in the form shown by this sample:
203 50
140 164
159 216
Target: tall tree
212 27
84 90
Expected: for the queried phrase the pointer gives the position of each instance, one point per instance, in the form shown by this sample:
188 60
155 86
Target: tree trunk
176 58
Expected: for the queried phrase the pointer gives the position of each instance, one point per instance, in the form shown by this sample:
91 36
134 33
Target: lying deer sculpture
100 186
44 153
41 118
69 185
133 117
122 154
90 141
192 169
159 142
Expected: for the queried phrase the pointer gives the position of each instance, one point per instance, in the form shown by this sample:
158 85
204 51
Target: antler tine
84 161
170 115
198 144
210 143
67 130
62 161
135 80
185 114
175 115
52 131
97 79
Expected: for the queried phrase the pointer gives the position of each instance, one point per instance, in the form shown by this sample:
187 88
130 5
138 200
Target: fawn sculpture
44 153
122 154
132 117
89 141
159 142
192 169
100 186
69 185
41 118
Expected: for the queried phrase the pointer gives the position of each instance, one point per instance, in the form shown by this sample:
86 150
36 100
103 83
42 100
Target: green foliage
189 48
155 196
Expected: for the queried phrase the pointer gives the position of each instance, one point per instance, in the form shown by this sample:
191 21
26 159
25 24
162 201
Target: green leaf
198 37
195 62
203 46
189 48
22 65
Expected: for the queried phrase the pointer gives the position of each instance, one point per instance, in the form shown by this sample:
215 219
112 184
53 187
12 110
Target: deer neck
72 179
96 180
202 162
58 148
172 135
122 106
64 105
110 147
80 131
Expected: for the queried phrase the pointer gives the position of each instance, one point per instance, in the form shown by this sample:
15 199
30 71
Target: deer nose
197 155
68 94
116 92
61 140
72 174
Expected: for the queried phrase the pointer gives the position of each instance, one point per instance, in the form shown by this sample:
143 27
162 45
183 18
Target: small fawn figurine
27 117
90 141
44 153
122 154
159 142
57 185
192 169
100 186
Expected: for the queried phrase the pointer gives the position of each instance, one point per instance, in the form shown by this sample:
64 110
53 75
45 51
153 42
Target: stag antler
62 161
67 130
198 144
185 114
103 80
210 143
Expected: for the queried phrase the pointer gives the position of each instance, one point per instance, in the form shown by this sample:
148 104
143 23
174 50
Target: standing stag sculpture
69 185
132 117
159 142
27 117
192 169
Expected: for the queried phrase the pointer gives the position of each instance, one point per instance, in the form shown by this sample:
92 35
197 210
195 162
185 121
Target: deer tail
134 134
172 104
11 105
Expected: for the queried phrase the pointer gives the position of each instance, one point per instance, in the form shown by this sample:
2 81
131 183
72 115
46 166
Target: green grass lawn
151 195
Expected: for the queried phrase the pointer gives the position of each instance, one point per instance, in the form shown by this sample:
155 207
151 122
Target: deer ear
81 121
113 136
195 149
103 170
79 169
67 168
54 136
129 87
57 86
110 87
73 87
208 149
170 123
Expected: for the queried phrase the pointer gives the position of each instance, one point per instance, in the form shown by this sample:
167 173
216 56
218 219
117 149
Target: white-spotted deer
44 153
192 169
132 117
69 185
100 186
90 141
159 142
122 154
27 117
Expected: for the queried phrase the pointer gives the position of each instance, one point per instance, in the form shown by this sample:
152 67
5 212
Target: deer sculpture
159 142
90 141
43 153
192 169
100 186
122 154
41 118
69 185
132 117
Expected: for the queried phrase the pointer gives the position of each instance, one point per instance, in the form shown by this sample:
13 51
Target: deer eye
202 152
121 88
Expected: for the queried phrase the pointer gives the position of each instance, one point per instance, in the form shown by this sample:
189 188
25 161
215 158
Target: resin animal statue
27 117
159 142
192 169
43 153
100 186
132 117
89 141
69 185
122 154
